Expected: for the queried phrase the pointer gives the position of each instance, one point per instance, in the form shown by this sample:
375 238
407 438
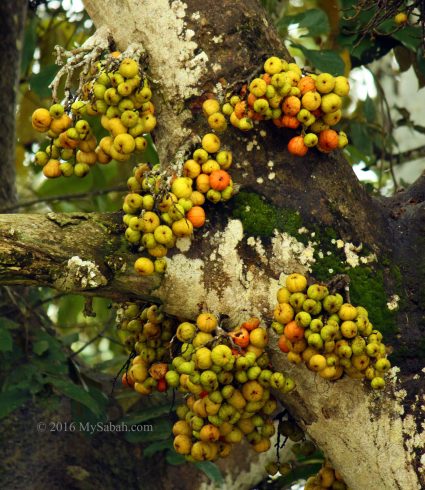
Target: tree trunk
374 440
12 21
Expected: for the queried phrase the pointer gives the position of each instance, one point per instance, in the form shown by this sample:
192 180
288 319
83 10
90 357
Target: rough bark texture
375 441
12 21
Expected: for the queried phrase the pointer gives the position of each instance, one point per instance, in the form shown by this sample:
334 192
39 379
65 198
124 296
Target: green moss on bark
260 218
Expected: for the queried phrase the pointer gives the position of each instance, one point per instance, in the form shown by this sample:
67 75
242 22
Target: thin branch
98 336
64 197
409 155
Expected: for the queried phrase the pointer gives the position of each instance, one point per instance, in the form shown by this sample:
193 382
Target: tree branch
64 197
75 252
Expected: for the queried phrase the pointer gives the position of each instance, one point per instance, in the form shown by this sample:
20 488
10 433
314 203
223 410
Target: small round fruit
310 140
296 146
206 322
144 266
325 83
258 337
182 227
401 19
196 215
271 66
296 283
41 120
342 86
52 169
378 383
129 68
219 180
252 391
182 444
210 106
182 187
211 143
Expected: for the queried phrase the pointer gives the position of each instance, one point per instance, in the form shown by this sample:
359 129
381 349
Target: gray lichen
80 274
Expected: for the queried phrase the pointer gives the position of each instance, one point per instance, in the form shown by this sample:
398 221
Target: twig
100 334
67 197
386 114
124 366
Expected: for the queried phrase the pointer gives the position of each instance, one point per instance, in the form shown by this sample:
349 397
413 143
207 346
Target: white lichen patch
183 284
183 244
289 255
271 175
260 180
416 439
217 39
393 302
369 258
351 252
173 58
257 244
234 286
251 241
80 274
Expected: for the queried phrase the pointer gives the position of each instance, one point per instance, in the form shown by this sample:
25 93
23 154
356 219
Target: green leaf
39 82
54 359
419 67
325 60
175 459
361 137
211 470
40 347
11 400
409 36
6 341
150 155
369 109
146 414
315 20
70 308
75 392
23 377
70 338
111 364
354 155
302 471
30 43
8 323
80 413
65 185
418 128
159 430
156 447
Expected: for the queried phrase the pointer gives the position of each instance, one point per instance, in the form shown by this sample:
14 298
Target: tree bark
12 21
374 440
